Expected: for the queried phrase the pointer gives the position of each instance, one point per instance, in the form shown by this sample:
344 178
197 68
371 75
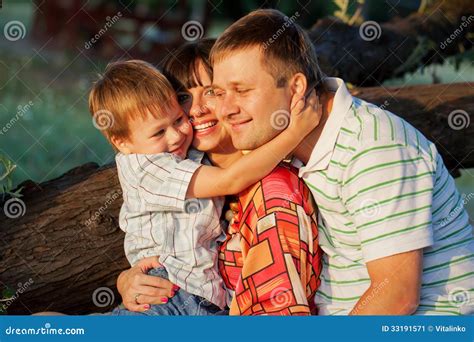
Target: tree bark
65 252
368 54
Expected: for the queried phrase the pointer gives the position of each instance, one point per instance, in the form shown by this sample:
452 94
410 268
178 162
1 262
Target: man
396 237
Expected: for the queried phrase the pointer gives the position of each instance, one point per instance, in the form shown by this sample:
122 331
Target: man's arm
395 285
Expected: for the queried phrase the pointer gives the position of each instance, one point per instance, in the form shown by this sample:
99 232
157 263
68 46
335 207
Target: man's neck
306 147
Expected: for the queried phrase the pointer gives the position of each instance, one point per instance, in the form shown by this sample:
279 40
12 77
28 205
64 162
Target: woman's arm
151 290
209 181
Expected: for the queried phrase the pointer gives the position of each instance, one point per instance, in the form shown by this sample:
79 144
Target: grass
45 125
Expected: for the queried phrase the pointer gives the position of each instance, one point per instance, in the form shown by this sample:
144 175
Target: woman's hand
139 290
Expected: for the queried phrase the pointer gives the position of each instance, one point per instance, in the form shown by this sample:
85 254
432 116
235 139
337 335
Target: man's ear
120 144
298 85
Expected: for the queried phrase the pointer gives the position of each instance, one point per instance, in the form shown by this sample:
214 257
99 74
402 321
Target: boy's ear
120 144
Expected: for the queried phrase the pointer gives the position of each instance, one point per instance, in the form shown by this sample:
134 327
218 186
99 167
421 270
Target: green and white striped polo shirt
382 189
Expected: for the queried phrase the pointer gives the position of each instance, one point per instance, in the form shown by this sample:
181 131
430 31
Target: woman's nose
198 109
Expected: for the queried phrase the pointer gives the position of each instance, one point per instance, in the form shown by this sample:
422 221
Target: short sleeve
164 180
387 189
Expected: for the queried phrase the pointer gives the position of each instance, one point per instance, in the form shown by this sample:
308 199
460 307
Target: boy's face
171 132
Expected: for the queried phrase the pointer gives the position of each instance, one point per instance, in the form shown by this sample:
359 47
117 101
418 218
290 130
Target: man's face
247 97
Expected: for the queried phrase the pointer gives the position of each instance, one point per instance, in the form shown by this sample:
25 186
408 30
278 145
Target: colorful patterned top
271 258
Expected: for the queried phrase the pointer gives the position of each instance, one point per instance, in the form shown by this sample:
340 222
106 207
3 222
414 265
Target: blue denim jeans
182 303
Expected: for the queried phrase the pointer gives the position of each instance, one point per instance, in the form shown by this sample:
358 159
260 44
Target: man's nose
227 107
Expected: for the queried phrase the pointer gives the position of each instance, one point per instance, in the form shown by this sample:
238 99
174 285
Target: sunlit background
53 75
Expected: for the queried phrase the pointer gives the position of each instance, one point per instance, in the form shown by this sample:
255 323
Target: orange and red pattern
271 257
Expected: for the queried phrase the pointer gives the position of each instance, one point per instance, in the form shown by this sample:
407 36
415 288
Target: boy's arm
210 181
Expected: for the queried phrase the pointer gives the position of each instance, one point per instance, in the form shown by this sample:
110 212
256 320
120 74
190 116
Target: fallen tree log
66 250
367 54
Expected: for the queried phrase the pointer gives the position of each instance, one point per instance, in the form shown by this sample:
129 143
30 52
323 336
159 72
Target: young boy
171 206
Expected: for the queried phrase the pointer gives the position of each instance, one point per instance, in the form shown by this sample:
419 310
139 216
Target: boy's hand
305 114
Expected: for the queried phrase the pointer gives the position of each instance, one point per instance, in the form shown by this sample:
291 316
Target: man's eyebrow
233 83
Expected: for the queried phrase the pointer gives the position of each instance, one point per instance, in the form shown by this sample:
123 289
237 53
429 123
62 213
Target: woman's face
199 103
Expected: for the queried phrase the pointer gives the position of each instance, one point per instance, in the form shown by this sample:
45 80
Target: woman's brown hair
181 67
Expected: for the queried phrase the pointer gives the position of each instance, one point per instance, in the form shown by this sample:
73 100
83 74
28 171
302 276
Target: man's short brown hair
285 46
126 91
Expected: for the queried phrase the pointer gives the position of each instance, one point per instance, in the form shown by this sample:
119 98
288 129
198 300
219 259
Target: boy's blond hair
126 91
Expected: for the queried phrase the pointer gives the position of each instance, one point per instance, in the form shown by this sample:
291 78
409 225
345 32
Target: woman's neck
224 158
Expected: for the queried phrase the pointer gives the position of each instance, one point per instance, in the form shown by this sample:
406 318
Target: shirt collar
323 150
